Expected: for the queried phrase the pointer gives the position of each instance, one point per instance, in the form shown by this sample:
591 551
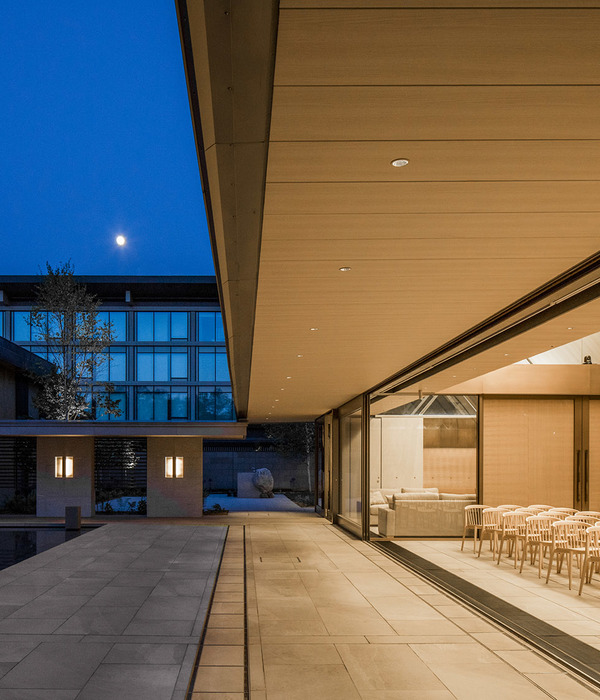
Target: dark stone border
579 657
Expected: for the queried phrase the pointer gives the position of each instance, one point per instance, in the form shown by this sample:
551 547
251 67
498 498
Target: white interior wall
401 451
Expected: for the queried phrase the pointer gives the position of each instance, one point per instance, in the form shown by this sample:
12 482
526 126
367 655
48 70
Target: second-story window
161 364
162 325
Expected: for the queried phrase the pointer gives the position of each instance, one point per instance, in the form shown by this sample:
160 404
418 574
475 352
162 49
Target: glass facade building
168 359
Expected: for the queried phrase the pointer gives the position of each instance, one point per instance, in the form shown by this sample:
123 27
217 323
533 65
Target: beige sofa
421 513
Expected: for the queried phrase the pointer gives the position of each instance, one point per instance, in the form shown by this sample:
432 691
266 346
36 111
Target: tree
293 440
65 317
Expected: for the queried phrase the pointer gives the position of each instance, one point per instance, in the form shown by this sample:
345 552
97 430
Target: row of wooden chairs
540 530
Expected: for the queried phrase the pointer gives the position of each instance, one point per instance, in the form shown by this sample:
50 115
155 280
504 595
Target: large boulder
263 480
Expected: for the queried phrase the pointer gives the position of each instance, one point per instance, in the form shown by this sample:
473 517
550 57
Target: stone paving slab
115 613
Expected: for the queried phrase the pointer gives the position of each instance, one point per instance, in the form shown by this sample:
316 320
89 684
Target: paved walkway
114 614
117 614
328 616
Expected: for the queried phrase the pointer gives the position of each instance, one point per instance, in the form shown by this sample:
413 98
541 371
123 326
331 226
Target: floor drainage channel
578 657
224 678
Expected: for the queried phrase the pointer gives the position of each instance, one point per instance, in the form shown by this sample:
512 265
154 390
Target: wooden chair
528 511
589 520
589 512
490 525
473 521
541 506
568 539
561 513
538 539
513 530
592 555
539 509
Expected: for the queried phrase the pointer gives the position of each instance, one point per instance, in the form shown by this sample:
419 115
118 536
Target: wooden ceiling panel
421 4
489 47
291 227
434 197
370 161
428 249
435 113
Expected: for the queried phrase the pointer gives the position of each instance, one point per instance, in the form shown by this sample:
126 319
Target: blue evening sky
96 140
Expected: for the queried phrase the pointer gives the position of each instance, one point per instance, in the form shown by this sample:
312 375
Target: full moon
120 240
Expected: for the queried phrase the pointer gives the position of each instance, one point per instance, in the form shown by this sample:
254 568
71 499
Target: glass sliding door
350 506
423 464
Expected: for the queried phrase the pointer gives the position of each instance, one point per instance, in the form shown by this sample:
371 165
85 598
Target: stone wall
54 494
172 498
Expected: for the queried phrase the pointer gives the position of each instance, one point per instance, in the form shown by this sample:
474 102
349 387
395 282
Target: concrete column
172 497
55 494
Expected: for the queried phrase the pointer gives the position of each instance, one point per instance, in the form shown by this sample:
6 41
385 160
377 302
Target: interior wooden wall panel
432 112
528 451
494 47
594 455
451 470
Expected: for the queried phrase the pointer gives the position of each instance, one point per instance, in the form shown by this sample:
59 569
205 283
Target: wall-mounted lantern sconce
171 462
63 467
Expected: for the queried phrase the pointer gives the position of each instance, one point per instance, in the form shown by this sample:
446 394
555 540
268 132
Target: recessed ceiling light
288 377
282 389
314 329
276 400
299 355
399 162
569 328
345 269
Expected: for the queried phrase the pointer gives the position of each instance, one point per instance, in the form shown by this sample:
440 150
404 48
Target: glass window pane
350 444
161 406
2 323
206 405
224 405
21 330
220 331
161 366
55 323
118 366
101 369
222 368
179 325
122 401
206 366
100 412
161 325
145 366
179 404
145 401
206 326
144 325
179 368
118 320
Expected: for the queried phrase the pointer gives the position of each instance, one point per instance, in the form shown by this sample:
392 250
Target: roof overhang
299 110
39 428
